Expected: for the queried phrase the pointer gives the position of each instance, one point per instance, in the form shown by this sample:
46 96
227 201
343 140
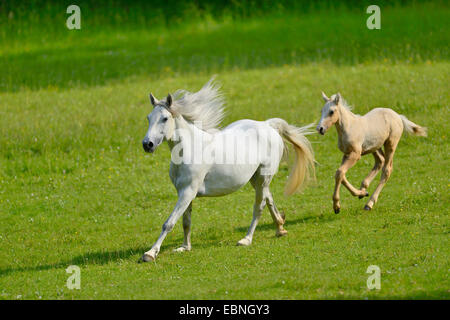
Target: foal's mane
343 102
203 108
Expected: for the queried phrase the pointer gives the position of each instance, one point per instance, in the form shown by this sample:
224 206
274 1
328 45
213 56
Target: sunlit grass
77 188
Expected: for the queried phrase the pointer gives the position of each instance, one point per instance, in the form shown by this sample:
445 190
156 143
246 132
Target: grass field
76 188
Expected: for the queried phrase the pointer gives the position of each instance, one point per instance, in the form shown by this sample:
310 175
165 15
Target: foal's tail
304 156
413 128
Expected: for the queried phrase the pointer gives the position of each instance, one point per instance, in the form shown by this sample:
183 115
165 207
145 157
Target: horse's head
330 114
161 124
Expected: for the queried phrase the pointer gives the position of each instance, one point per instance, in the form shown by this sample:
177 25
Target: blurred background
120 38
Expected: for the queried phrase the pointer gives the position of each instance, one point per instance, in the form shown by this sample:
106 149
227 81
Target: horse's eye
331 112
164 119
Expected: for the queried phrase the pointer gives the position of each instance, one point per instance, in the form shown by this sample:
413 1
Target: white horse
360 135
188 122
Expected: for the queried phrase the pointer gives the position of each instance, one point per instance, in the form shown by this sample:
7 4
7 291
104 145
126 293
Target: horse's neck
183 129
346 117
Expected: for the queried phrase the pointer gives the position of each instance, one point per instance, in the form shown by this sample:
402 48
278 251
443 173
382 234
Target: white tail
304 156
413 128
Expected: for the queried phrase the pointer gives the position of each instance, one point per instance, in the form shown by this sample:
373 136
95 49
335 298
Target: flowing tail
413 128
304 156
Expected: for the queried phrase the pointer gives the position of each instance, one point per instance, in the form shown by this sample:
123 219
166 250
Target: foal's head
330 114
161 124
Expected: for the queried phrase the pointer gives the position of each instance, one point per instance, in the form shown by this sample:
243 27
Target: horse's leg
354 192
186 246
264 181
379 162
185 197
258 181
278 218
348 161
389 148
258 207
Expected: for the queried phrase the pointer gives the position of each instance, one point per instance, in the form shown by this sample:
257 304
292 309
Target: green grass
98 55
77 188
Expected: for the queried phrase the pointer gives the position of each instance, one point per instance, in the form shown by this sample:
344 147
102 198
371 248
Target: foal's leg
348 161
379 162
389 148
186 246
185 197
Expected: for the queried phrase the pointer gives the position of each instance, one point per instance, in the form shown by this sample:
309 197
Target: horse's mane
343 102
203 108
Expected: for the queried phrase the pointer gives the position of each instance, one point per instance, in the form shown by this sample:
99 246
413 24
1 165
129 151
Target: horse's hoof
367 208
365 195
281 233
337 210
244 242
148 258
182 249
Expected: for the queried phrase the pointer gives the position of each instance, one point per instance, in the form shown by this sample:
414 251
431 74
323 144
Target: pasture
76 187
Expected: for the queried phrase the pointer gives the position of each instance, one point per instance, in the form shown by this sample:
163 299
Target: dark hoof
337 210
367 208
366 195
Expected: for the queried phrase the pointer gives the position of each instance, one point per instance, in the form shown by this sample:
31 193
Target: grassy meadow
76 187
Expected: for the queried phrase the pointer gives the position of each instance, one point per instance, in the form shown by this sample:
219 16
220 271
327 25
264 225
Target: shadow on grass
91 258
103 257
411 295
312 218
419 295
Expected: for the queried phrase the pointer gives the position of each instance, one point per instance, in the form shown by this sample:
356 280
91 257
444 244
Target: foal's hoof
362 196
367 208
147 258
337 210
244 242
281 233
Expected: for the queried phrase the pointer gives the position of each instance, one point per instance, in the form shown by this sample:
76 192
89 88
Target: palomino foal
360 135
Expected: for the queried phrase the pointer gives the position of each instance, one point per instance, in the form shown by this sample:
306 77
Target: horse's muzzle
321 130
148 146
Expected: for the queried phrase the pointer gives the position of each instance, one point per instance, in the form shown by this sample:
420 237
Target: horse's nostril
148 145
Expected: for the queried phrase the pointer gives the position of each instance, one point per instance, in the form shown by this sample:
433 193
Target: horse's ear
324 96
169 100
337 98
153 100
